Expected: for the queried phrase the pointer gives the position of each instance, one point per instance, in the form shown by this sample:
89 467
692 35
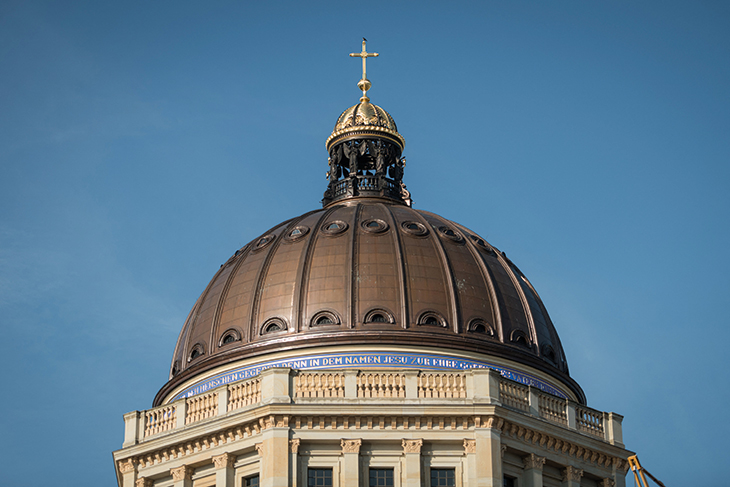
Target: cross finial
364 84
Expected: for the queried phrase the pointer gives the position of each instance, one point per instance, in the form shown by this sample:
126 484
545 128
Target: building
370 343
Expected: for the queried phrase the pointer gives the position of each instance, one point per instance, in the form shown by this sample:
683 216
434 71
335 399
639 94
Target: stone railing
242 394
442 385
159 419
319 384
381 385
347 386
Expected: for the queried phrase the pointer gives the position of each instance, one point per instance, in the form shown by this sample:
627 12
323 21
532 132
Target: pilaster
351 384
129 473
181 411
294 462
351 461
488 454
571 476
182 476
412 462
274 452
533 470
132 428
470 463
224 473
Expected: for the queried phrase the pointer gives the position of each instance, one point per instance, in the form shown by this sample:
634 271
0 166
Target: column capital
126 466
470 446
259 449
351 445
607 483
294 445
182 473
573 474
533 461
412 446
143 482
225 460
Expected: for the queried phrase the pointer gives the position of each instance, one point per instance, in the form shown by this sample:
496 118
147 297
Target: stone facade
486 429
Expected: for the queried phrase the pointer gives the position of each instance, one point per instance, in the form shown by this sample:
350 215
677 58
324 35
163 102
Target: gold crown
365 119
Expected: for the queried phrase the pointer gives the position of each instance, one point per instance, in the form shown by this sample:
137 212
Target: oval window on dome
297 232
416 229
374 226
264 241
518 337
450 233
334 228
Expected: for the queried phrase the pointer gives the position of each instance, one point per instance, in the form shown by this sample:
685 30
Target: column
294 462
351 461
489 453
571 476
274 452
129 473
412 463
224 473
620 467
533 470
182 476
470 467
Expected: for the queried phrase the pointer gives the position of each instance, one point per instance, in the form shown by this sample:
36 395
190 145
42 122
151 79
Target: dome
368 270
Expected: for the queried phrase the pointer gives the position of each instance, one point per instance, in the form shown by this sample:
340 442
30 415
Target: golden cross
364 84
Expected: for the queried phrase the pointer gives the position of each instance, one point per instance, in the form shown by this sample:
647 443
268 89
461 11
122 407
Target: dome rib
523 299
454 305
476 253
299 307
352 282
398 247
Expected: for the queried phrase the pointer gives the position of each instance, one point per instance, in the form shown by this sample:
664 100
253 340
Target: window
380 477
509 482
319 477
252 481
443 477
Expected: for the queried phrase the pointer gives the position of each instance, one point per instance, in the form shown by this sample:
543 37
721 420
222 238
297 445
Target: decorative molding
294 445
503 449
182 473
126 466
412 446
225 460
143 482
351 446
533 461
570 473
259 449
607 483
470 446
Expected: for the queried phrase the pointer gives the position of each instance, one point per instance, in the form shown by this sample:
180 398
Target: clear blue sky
142 143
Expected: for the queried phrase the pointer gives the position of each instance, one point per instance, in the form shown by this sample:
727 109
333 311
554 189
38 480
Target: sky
142 143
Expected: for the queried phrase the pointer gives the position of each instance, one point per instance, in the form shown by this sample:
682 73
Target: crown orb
364 84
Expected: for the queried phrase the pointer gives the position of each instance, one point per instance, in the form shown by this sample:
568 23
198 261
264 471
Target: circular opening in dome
334 228
378 318
374 226
430 321
324 320
450 233
273 325
479 241
414 228
297 233
264 242
228 339
196 352
431 318
272 328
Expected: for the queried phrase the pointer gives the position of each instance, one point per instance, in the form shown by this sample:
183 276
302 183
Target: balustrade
381 385
589 421
319 385
514 395
442 385
201 407
159 420
244 394
553 409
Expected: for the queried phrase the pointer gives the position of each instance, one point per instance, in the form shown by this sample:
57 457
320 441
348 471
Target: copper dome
367 271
